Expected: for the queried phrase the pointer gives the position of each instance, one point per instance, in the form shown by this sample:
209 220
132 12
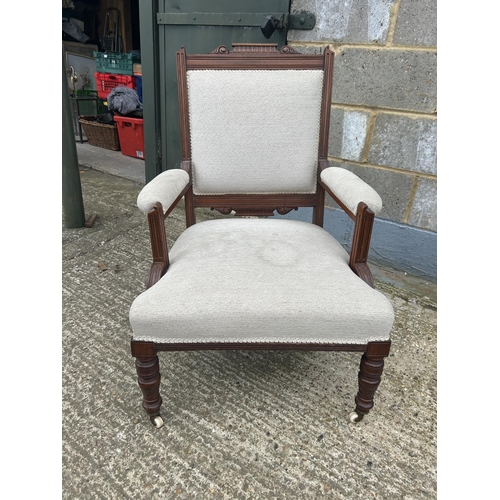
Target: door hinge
302 21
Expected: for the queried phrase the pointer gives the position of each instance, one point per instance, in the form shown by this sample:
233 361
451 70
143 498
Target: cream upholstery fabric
350 189
260 280
254 131
165 188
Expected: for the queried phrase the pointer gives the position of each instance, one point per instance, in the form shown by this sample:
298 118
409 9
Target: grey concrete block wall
383 123
405 143
352 21
392 79
416 23
424 207
348 130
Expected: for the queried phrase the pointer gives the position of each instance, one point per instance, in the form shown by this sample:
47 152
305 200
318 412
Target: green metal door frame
199 26
72 197
150 87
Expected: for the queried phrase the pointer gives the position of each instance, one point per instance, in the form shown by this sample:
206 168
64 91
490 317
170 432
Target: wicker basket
100 134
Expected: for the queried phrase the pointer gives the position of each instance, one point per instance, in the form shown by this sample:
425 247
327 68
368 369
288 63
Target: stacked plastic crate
115 69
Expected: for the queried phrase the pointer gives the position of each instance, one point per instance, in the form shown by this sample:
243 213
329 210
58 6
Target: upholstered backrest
254 131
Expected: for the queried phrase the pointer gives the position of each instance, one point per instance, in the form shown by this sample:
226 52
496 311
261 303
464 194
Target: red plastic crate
106 82
131 136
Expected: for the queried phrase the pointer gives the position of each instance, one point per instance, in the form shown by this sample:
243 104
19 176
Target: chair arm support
361 243
157 199
361 203
159 248
348 189
166 188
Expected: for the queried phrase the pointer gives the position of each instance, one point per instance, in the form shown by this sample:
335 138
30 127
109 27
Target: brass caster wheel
157 421
355 417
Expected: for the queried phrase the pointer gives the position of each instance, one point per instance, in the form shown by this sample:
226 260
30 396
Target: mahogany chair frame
258 56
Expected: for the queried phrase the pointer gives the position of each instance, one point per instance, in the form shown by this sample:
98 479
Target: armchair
254 133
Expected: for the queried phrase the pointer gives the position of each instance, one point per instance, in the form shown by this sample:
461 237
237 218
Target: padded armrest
164 188
350 189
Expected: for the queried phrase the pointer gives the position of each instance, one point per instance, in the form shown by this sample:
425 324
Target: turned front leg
148 371
370 374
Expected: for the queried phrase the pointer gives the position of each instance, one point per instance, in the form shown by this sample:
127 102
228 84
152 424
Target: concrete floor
112 162
238 425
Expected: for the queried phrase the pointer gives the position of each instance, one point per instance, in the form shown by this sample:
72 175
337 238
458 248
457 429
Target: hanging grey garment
124 100
72 29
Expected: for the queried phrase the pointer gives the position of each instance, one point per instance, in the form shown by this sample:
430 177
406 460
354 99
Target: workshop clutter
131 135
101 131
116 80
106 82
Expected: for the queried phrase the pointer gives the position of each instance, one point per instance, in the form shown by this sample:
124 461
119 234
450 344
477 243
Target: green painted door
200 26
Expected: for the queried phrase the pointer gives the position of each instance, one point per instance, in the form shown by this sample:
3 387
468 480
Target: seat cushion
260 280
